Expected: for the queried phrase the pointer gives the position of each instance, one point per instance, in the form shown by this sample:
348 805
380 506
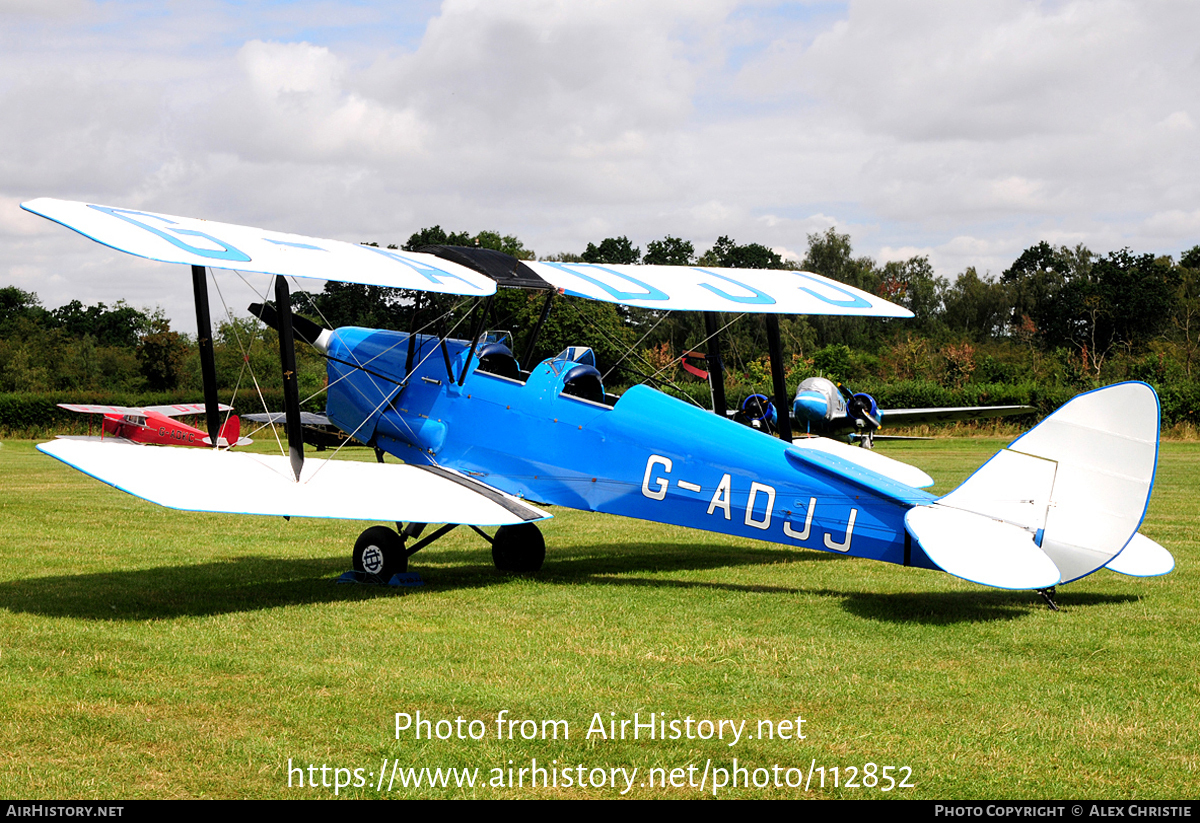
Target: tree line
1058 320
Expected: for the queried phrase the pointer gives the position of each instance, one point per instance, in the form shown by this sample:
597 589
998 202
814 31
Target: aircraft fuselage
646 455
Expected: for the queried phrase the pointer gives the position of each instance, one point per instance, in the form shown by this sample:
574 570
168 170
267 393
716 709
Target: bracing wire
246 364
389 396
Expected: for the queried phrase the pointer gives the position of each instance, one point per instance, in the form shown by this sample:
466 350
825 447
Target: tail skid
1062 501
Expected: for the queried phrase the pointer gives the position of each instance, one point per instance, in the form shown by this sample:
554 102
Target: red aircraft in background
154 424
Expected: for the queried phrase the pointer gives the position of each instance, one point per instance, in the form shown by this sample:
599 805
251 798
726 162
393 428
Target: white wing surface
175 410
240 483
186 240
189 241
698 288
87 408
181 409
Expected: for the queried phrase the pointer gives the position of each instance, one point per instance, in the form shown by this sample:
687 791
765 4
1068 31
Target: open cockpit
575 365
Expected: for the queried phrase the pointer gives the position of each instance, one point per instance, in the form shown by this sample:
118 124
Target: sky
962 131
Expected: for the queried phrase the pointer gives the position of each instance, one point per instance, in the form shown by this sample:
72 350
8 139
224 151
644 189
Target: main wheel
519 548
380 551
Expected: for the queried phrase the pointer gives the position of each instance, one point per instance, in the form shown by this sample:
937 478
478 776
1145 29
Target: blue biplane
486 440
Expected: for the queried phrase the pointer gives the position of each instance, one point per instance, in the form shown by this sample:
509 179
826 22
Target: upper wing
87 408
699 288
690 288
240 483
175 410
221 245
180 409
456 270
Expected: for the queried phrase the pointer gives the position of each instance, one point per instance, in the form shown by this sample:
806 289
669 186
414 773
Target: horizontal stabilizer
1079 481
980 549
192 242
887 466
240 483
223 442
1142 558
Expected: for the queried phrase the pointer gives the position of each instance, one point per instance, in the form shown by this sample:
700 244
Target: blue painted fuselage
646 455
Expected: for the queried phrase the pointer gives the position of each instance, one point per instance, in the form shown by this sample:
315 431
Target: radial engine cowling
864 410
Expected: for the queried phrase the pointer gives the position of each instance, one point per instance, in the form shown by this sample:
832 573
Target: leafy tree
1127 301
616 250
833 362
1190 259
745 341
912 284
726 253
434 236
35 358
977 307
573 321
122 325
666 333
506 243
353 304
1186 316
16 303
1093 305
162 355
1037 282
831 255
670 251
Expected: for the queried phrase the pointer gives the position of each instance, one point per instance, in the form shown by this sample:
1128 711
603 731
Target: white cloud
788 254
1179 122
887 254
44 8
15 222
1174 223
968 131
292 103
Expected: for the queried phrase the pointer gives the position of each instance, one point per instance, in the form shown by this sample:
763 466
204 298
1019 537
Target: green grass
153 653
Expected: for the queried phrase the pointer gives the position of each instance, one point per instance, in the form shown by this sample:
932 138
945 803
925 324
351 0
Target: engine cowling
757 411
863 408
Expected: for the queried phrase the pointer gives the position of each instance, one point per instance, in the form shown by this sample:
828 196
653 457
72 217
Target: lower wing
241 483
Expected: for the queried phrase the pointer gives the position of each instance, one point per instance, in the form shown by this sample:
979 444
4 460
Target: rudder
1076 487
231 432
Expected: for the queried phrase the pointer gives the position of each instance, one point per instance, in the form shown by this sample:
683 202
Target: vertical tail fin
1074 488
231 432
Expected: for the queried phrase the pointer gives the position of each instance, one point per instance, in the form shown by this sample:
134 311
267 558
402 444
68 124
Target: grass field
149 653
